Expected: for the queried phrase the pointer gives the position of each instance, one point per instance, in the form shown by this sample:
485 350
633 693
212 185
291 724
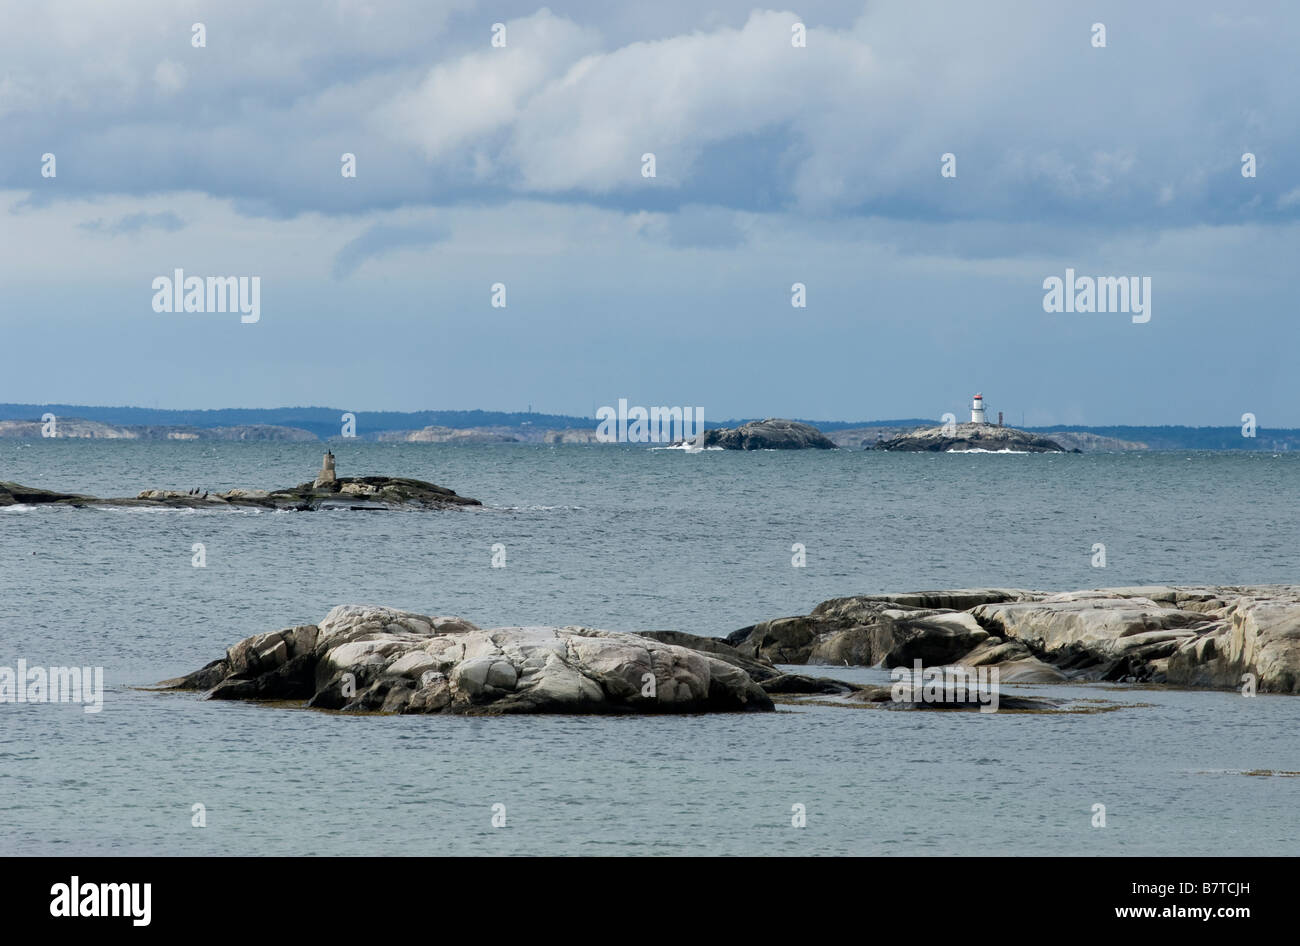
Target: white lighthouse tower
977 410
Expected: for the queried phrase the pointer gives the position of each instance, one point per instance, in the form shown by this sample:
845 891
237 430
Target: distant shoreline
858 437
323 425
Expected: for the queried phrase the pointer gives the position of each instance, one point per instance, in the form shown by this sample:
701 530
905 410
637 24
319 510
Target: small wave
536 508
686 448
1004 450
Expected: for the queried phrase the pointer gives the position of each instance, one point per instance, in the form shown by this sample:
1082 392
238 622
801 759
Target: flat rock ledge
379 660
349 492
1209 637
958 438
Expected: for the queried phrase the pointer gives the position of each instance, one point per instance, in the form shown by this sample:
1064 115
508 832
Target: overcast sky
774 165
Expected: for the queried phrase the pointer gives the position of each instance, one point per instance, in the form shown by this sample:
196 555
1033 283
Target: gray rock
758 669
847 630
1259 635
797 683
1014 661
372 659
15 494
771 434
355 492
933 637
972 437
883 695
780 641
1105 623
1189 636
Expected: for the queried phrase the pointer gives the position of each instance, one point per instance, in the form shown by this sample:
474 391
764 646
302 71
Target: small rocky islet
327 491
371 659
972 437
774 433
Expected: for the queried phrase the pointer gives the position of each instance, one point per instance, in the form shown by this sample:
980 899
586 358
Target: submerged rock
972 437
375 659
951 699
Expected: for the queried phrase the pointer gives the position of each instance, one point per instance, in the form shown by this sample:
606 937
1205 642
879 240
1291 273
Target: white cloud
463 100
671 97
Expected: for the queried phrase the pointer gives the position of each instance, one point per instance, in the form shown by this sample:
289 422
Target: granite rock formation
375 659
972 437
1194 636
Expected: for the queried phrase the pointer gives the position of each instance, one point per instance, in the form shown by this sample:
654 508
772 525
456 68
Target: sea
627 538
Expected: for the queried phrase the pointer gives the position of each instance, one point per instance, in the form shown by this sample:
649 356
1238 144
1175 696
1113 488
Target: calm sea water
625 539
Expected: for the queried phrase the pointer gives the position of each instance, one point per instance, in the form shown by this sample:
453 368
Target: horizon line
848 424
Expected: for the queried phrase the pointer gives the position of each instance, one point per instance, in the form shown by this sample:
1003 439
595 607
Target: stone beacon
326 475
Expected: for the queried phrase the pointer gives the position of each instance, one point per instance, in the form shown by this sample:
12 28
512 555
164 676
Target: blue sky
774 165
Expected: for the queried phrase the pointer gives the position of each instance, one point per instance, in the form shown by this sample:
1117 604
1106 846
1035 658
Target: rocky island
992 438
368 659
1215 637
374 659
772 434
327 491
977 436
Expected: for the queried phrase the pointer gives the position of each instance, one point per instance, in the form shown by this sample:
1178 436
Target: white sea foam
176 510
686 447
982 450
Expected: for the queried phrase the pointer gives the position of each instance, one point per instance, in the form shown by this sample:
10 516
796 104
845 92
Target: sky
774 164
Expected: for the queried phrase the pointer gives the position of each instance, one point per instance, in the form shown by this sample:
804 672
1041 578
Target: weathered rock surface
759 670
972 437
349 492
374 659
771 434
849 630
1187 636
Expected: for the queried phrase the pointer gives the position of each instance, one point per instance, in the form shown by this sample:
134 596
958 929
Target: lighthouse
977 410
326 478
